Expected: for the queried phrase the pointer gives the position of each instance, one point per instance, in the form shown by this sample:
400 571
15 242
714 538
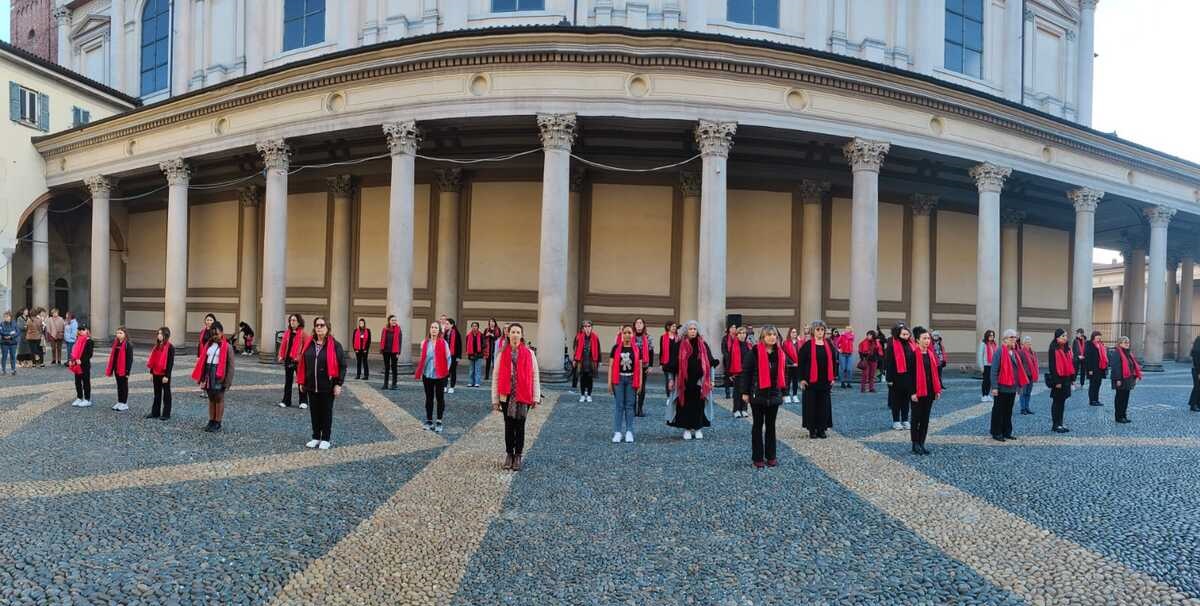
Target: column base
267 357
405 369
555 376
1147 367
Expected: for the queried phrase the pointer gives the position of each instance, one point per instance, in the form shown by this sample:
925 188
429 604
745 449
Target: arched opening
62 295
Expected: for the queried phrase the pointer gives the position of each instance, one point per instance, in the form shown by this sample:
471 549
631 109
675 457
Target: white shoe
629 437
906 425
616 437
323 445
312 443
85 403
589 399
76 402
699 435
303 406
984 398
120 407
787 399
450 390
896 425
282 405
582 399
439 427
687 434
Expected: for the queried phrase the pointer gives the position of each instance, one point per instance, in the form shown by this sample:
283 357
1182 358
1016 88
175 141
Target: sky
5 5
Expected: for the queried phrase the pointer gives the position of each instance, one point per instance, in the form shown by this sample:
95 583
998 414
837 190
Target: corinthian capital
557 130
715 138
1085 199
276 154
813 191
250 196
690 184
341 186
1088 5
449 180
99 185
989 177
864 154
62 15
177 171
1159 216
1012 216
923 204
402 137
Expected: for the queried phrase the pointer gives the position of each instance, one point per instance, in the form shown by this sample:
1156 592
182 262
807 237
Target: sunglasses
322 325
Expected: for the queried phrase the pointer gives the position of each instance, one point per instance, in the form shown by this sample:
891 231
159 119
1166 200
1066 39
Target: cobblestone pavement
101 507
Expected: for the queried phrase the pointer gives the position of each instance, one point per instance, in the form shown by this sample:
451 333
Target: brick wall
33 28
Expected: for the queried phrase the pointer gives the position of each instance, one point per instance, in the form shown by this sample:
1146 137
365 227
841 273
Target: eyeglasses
318 325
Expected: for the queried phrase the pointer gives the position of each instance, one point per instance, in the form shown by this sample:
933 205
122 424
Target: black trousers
986 388
1094 382
898 400
1058 405
453 372
122 389
762 431
83 383
793 381
320 411
1194 399
514 435
435 389
585 383
1121 403
639 405
391 367
487 370
363 369
920 419
162 397
289 375
1079 363
1002 408
738 404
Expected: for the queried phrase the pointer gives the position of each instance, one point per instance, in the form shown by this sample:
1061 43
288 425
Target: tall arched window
303 23
156 46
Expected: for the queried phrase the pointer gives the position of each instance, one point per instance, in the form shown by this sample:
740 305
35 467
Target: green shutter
43 112
14 102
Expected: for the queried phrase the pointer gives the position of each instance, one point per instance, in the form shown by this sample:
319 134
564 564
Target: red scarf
362 336
1031 365
594 343
735 357
681 379
899 357
614 374
440 367
1101 355
158 360
119 349
764 367
200 349
525 370
1007 377
331 361
640 342
664 347
990 350
1064 366
292 345
1126 360
791 350
922 389
812 361
77 351
395 333
475 343
222 363
452 339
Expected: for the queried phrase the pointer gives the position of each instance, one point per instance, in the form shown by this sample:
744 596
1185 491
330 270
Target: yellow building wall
306 234
759 244
213 245
373 237
147 241
143 320
956 258
839 249
890 279
506 220
630 228
1045 268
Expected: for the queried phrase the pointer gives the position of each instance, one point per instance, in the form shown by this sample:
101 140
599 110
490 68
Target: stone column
1010 268
403 139
689 259
101 188
6 274
1115 313
1087 54
1135 294
1160 218
714 139
1014 20
812 194
989 178
865 159
919 311
446 295
62 16
117 35
249 198
1187 286
342 190
1170 329
578 185
276 157
175 285
1085 201
558 134
41 256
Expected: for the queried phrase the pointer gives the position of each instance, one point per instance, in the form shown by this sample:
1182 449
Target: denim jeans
624 403
476 371
8 353
847 367
1026 393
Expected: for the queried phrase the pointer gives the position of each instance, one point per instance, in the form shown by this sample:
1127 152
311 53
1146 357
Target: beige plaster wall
373 238
306 231
630 239
147 243
505 230
1045 267
213 245
890 280
759 244
956 252
143 320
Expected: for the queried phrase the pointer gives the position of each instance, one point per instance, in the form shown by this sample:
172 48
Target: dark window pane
955 5
973 36
161 76
314 28
766 13
293 34
973 9
315 6
953 57
973 63
293 9
147 81
954 28
740 11
531 5
504 6
164 25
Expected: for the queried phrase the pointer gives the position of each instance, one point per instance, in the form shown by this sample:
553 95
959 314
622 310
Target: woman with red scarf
515 391
477 351
693 384
494 335
587 359
668 352
870 352
120 365
454 340
214 374
361 341
927 387
1008 377
289 354
161 362
817 372
726 351
987 351
205 334
642 340
763 383
626 376
1125 374
433 370
1032 371
1095 361
80 365
901 375
791 350
391 343
321 371
1060 375
739 353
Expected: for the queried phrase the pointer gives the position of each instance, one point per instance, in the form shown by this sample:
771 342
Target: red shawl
76 351
292 346
764 367
681 379
640 343
222 363
452 338
1006 375
440 368
331 361
1126 360
664 346
812 361
614 374
1101 354
396 336
361 338
899 357
475 343
792 350
1031 364
735 357
922 390
1064 366
594 341
158 359
525 370
990 351
203 346
117 355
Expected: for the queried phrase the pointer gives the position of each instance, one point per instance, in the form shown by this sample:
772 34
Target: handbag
862 364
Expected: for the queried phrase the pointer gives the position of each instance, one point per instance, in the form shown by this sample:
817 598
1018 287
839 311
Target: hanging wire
633 170
342 163
207 186
481 160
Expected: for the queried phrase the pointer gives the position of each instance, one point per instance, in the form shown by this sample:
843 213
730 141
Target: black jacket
823 383
170 359
1092 360
128 358
906 380
1114 363
771 396
316 374
1052 377
85 357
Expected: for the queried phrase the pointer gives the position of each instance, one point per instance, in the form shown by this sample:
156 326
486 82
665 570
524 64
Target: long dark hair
988 333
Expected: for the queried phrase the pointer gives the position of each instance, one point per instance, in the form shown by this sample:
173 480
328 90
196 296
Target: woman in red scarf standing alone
433 370
1125 374
515 391
1060 374
668 352
642 341
477 351
390 343
870 352
289 354
927 387
1095 363
214 374
739 351
763 383
161 362
900 376
120 365
587 359
321 371
693 384
361 341
817 372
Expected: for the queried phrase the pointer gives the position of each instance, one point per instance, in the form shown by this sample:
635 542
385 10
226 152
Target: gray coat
1018 370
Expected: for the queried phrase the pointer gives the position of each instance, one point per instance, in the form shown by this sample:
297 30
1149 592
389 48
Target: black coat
1091 361
316 374
823 383
1114 362
85 357
771 396
907 380
1052 377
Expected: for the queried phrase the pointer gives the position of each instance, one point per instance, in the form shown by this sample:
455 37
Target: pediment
89 24
1064 8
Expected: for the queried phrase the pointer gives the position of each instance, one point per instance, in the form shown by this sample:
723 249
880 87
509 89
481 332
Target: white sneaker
983 398
589 399
787 399
906 425
582 399
616 437
896 425
120 407
282 405
323 445
312 443
303 406
450 390
687 434
439 427
85 403
629 437
699 435
76 403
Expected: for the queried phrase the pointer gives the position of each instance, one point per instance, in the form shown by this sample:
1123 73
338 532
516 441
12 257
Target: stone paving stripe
415 548
392 416
210 470
191 389
995 543
936 424
1063 440
41 388
12 420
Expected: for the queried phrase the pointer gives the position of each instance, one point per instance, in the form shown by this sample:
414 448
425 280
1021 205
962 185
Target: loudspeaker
732 320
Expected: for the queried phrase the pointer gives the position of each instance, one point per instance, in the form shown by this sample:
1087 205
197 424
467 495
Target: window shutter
86 117
14 102
43 108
